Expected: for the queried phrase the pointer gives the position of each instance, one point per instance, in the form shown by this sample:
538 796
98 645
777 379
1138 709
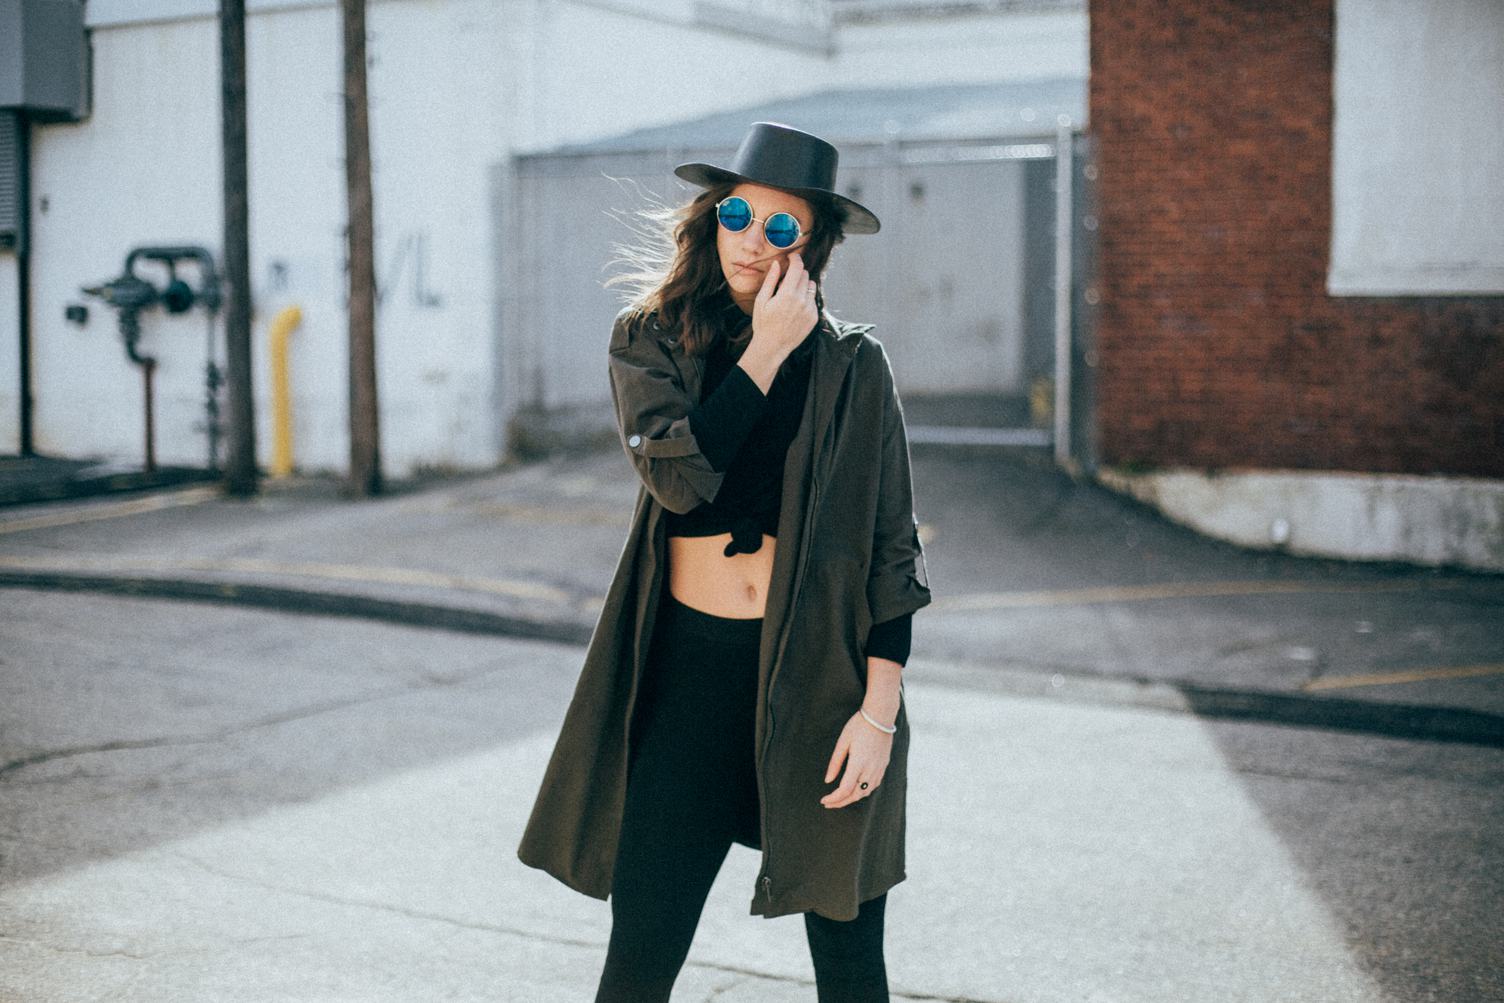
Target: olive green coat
848 555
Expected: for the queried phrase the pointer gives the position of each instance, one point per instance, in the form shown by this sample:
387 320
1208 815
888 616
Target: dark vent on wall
10 178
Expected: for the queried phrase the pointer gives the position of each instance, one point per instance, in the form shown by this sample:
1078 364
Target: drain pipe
130 295
130 326
1065 162
283 325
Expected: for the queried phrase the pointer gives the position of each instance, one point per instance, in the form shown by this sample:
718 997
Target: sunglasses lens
735 214
782 229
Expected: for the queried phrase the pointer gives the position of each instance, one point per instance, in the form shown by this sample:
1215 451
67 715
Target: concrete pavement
211 803
1043 584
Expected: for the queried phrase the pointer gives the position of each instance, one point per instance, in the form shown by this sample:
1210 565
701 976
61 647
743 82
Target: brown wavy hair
674 268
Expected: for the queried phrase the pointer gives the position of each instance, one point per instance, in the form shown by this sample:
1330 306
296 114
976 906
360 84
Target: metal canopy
932 113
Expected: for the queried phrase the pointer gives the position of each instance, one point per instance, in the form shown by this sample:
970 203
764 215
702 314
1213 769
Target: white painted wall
144 168
457 86
1418 148
974 48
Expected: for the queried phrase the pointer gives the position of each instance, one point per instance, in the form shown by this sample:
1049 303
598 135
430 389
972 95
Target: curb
289 599
1391 720
66 489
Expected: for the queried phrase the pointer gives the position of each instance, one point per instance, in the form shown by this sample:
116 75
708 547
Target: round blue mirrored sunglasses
780 229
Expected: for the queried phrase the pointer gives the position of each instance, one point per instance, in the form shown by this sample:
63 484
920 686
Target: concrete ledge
1440 521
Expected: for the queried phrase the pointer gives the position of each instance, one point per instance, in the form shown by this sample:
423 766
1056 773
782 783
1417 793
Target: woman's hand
783 319
866 751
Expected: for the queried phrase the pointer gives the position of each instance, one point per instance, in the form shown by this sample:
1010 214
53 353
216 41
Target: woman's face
746 256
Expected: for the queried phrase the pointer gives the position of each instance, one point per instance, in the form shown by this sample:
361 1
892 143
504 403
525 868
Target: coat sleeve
652 418
898 581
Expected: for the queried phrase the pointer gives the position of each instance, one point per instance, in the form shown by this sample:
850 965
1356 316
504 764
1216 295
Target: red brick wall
1217 344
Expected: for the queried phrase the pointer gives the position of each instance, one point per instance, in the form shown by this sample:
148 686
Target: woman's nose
752 242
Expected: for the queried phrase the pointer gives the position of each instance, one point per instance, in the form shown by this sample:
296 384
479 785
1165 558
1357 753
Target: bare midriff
702 576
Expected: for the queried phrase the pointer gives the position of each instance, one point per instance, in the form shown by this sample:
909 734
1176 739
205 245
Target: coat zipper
814 501
809 513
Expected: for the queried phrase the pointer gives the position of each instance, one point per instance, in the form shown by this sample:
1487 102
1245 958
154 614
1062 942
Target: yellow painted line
543 513
341 572
1167 590
111 510
1407 676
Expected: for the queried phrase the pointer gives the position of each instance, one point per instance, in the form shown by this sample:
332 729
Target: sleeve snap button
635 441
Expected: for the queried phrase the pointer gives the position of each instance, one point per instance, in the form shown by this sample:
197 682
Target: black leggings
691 793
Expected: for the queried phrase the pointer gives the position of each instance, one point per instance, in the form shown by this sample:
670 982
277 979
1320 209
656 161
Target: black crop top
746 433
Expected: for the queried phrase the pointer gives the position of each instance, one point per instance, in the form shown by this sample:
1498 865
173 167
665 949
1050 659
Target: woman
749 654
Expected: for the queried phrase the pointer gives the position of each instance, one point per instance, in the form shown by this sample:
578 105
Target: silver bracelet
885 728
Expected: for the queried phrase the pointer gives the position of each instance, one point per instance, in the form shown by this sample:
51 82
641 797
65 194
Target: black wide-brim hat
781 156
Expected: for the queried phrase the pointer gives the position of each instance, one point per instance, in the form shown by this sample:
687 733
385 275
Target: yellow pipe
286 321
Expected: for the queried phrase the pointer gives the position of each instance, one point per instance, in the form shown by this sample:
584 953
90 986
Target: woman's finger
849 791
841 796
801 283
843 745
856 770
769 280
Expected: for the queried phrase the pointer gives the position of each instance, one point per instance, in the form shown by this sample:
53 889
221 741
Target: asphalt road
203 802
1040 580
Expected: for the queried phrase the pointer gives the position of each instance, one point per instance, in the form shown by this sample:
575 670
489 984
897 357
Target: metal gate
974 283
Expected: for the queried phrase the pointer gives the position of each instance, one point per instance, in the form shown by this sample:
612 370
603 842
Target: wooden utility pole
240 460
365 443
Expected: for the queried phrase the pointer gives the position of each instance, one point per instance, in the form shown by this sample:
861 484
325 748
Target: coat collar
835 345
844 334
